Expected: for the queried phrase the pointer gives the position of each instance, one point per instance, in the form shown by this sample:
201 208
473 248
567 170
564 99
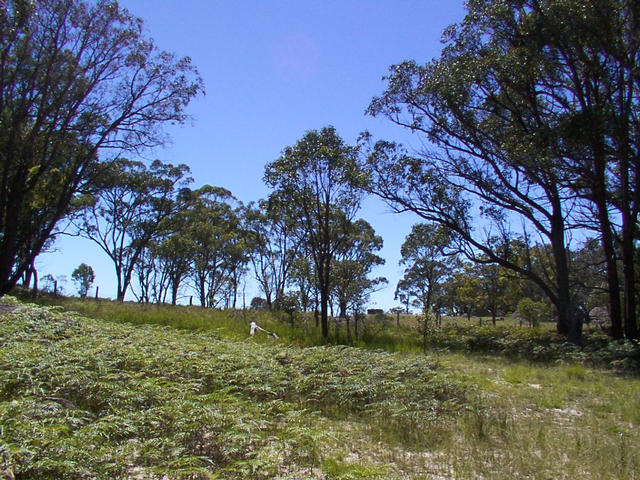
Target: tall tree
76 79
303 278
499 104
214 230
354 263
318 177
273 245
491 282
151 281
174 255
463 291
83 275
130 211
428 263
593 51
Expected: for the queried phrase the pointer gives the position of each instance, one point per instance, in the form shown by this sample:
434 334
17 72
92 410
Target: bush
533 312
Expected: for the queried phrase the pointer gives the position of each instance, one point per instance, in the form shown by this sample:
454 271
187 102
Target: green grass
82 397
131 398
457 334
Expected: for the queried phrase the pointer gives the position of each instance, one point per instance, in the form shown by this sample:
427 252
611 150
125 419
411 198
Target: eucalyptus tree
354 262
463 292
236 263
495 109
494 284
591 273
486 284
402 293
592 59
273 245
173 256
79 82
319 177
130 211
428 263
84 276
163 265
215 233
303 278
150 282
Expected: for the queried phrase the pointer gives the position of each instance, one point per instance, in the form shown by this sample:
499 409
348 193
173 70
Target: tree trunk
629 199
425 327
202 292
174 294
324 311
613 283
8 243
600 200
343 309
356 317
576 319
26 279
35 281
563 299
630 291
119 292
628 272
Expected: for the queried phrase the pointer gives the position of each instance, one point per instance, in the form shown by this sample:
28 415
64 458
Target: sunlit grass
456 334
132 397
541 421
81 397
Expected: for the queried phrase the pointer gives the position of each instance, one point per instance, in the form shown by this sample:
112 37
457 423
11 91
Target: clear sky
272 71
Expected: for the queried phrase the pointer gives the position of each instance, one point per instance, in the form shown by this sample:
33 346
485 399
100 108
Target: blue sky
272 71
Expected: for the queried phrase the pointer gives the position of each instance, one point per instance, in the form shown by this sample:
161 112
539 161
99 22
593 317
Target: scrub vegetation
96 398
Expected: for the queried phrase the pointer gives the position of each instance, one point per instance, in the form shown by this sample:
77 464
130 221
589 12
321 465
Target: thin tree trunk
324 311
606 231
612 272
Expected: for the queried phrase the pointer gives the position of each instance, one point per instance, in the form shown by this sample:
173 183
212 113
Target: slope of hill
84 398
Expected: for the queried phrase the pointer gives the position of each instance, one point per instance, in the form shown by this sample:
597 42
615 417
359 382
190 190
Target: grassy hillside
86 398
457 334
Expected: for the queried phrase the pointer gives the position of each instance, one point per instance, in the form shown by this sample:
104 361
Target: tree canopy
530 112
318 177
79 82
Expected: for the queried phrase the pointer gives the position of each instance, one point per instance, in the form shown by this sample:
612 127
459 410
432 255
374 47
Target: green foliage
424 256
85 398
532 312
273 246
81 397
218 250
526 116
78 77
533 344
538 345
83 275
318 179
130 210
340 470
353 263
